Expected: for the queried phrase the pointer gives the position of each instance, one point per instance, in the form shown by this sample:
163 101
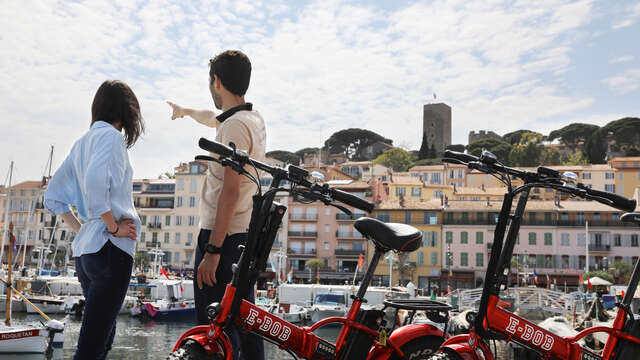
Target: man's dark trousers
104 277
251 345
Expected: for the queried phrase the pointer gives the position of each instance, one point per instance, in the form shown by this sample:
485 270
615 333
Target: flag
181 289
282 276
13 242
360 260
580 278
290 275
535 276
163 272
589 284
548 281
141 293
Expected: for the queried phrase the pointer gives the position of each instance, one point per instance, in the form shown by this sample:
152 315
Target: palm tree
404 266
315 264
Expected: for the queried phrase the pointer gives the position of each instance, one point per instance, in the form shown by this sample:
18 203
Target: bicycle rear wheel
419 348
192 350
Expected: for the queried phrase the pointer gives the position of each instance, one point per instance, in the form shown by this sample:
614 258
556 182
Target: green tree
315 265
498 147
620 271
550 156
352 142
576 158
424 148
397 159
621 135
432 152
573 134
286 157
514 137
308 150
426 162
141 260
528 151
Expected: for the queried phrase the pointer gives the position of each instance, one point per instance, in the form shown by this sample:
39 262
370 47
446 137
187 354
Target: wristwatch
212 249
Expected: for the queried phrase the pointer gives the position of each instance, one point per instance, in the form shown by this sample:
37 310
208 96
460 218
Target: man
226 198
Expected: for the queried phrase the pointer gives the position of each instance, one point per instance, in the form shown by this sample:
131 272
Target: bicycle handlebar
549 177
292 174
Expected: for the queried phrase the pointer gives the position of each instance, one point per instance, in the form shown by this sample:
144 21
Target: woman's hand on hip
126 228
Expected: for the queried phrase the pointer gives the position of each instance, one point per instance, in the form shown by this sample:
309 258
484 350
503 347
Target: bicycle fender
200 334
462 345
404 334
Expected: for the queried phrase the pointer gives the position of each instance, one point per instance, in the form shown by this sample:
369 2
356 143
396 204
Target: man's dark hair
115 102
234 70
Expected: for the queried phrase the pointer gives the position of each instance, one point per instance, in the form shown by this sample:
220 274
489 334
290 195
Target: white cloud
319 67
631 15
624 82
621 59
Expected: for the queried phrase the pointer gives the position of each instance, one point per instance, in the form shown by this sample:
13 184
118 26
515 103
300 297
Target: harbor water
137 340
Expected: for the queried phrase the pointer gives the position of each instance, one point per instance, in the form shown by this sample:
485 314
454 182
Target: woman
96 178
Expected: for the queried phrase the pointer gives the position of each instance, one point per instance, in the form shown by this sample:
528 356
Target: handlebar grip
215 147
466 158
352 200
619 202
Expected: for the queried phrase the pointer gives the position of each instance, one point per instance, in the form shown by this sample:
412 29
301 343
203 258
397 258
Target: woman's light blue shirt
95 177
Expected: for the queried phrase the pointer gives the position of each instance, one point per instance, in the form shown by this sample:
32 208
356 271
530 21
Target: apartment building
552 240
316 231
627 174
364 170
446 174
422 267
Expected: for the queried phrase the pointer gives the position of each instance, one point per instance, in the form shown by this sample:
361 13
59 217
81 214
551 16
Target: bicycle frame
494 322
301 341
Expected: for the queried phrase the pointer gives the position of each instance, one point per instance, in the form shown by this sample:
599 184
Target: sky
318 67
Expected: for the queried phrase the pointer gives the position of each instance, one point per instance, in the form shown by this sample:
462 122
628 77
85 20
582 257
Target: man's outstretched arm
204 117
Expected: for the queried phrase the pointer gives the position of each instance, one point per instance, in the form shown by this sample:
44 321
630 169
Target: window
154 237
327 211
464 237
177 241
192 220
326 245
435 178
194 169
179 201
166 238
580 218
385 217
548 239
464 259
620 176
420 259
189 239
438 194
416 192
596 216
192 188
401 191
581 241
634 240
532 238
586 176
617 240
564 239
143 219
532 218
192 201
610 187
430 218
479 259
547 218
434 258
180 184
176 256
449 236
479 237
167 220
465 218
430 239
178 220
407 217
326 228
609 175
564 216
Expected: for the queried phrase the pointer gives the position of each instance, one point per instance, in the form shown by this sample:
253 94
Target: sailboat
35 338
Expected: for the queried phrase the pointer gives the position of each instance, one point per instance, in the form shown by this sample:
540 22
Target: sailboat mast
6 212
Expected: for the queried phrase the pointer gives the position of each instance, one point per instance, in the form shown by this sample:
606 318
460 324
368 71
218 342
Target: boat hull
23 340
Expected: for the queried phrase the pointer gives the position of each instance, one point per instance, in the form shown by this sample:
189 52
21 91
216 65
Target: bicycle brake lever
208 158
342 208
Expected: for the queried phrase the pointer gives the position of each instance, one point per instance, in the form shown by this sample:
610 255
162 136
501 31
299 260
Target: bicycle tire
420 348
191 350
445 355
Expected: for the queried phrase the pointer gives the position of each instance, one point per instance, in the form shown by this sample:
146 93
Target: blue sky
318 67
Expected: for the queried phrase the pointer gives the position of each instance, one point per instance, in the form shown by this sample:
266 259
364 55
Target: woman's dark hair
115 102
234 70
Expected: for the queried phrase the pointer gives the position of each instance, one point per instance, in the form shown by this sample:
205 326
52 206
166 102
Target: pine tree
424 148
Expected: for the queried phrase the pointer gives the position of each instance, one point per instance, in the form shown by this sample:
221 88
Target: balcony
348 252
344 217
303 233
594 223
468 222
153 245
303 217
600 247
156 226
348 235
303 252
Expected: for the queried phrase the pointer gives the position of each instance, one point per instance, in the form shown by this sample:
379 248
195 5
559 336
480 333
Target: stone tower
436 122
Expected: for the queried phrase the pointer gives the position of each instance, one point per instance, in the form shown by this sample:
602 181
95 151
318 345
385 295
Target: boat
328 305
290 312
168 299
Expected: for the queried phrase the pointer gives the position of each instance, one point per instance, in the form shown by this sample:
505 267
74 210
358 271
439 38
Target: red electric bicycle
362 335
493 322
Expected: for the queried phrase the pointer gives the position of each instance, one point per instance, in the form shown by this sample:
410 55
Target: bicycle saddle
389 236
